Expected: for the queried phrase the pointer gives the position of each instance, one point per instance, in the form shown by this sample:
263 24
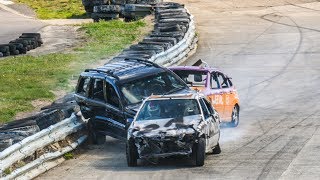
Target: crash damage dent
167 137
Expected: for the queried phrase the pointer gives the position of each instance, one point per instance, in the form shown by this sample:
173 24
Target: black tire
94 137
88 9
1 55
4 48
165 45
5 143
235 116
118 2
174 20
217 149
109 9
131 153
49 119
170 40
199 152
6 53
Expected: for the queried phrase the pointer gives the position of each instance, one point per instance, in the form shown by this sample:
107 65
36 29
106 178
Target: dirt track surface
273 55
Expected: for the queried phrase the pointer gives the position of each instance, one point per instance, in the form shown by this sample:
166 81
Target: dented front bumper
163 146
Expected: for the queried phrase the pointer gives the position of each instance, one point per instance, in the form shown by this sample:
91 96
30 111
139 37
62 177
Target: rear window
193 78
168 108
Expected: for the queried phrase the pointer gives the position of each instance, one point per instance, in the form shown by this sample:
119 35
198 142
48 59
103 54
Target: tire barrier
114 9
15 131
25 42
30 145
172 40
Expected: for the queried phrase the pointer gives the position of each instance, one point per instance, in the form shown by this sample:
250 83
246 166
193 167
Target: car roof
194 68
125 69
194 95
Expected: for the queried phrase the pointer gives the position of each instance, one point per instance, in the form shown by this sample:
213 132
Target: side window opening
193 78
112 97
97 90
204 109
230 82
209 106
214 82
83 85
222 80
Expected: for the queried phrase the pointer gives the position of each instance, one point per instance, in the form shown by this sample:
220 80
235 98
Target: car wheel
199 152
216 149
235 117
94 137
132 154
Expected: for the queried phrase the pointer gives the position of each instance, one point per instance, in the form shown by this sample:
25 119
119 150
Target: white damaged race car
174 125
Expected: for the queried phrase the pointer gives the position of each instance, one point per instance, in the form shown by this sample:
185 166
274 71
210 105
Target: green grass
27 78
56 9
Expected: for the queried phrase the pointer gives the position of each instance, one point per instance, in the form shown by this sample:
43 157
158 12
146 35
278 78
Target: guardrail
31 144
181 50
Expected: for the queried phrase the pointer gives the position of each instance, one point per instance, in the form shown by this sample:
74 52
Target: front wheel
199 152
235 117
132 154
217 149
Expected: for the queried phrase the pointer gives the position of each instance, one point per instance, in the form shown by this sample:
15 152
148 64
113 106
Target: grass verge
27 78
56 9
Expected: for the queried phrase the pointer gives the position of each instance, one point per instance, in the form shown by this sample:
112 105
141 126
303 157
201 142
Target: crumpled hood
168 127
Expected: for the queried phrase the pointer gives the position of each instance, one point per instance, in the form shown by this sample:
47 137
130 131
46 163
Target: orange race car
218 88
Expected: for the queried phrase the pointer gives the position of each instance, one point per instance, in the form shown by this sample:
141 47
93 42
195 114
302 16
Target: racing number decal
217 100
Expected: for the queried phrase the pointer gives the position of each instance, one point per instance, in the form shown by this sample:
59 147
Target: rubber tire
233 122
94 137
131 154
217 149
199 152
1 55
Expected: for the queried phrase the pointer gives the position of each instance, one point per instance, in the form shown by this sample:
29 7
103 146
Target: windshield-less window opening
168 108
162 83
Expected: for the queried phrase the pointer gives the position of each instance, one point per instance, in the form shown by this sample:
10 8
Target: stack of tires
132 12
21 45
106 12
113 9
16 131
172 22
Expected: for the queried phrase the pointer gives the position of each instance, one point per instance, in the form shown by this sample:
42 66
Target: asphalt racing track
272 51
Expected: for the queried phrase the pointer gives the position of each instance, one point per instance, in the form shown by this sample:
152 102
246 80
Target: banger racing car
174 125
216 85
111 94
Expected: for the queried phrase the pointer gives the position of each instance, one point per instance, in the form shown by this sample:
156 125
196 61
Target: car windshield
168 108
192 78
163 83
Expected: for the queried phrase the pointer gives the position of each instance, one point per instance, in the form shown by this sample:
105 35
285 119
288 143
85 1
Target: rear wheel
199 152
235 116
132 154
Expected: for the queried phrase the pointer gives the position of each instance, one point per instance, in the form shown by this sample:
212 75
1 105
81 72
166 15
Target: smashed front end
154 141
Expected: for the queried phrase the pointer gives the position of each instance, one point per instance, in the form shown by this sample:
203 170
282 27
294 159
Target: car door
231 98
224 90
209 124
114 114
215 94
108 116
82 94
215 121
